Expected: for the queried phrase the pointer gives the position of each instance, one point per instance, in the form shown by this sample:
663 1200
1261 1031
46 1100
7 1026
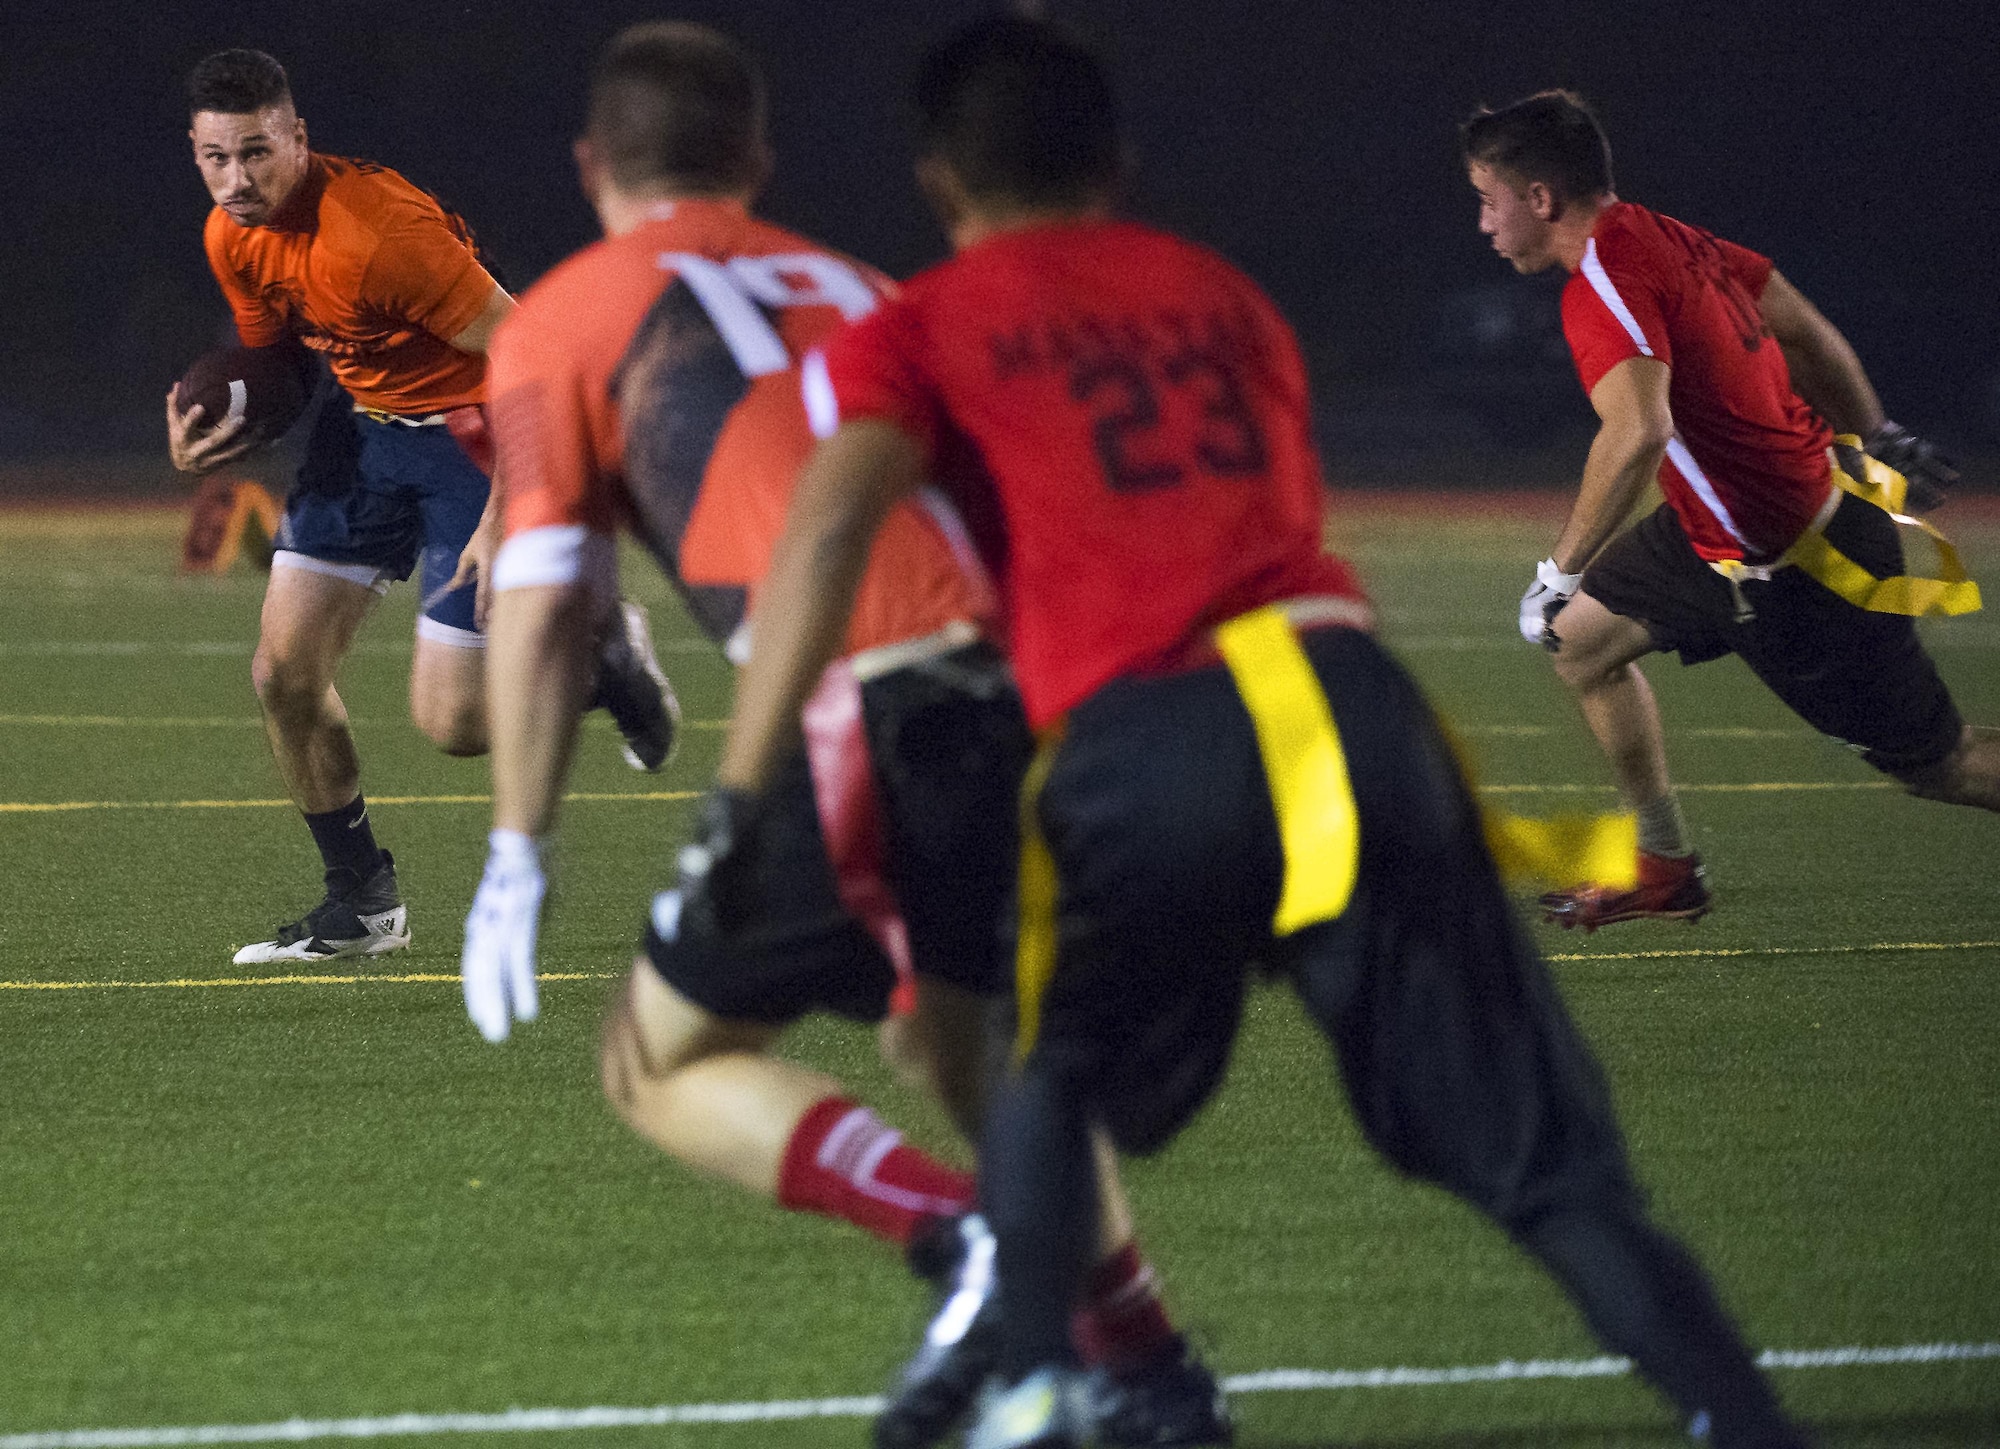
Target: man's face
250 161
1518 216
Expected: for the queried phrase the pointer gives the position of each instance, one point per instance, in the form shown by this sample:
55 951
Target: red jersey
659 380
368 270
1747 469
1139 413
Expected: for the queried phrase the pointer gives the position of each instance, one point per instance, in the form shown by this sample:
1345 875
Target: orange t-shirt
368 270
662 380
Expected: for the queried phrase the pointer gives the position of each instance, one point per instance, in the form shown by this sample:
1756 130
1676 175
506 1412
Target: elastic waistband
1308 611
425 420
873 663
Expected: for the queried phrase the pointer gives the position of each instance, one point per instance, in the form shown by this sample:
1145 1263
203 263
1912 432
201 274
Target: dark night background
1311 142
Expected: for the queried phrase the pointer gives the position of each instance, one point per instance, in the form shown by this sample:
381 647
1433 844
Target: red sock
1122 1324
845 1162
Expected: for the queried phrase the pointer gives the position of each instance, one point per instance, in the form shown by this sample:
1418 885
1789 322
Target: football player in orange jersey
663 380
375 275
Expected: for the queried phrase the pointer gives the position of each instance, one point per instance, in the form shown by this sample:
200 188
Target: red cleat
1670 888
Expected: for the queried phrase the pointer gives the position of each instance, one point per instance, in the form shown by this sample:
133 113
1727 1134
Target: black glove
713 865
1928 471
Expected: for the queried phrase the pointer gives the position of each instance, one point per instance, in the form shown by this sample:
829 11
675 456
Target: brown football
266 386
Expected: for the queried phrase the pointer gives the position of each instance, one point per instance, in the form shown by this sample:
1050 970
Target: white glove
498 968
1548 593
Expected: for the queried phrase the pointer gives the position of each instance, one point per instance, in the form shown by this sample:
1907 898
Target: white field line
441 978
518 1421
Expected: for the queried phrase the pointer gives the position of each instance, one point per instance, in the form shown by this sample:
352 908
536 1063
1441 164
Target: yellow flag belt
1312 796
1872 481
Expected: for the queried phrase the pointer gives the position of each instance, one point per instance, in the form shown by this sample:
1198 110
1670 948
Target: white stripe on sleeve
1600 283
822 406
1684 463
563 553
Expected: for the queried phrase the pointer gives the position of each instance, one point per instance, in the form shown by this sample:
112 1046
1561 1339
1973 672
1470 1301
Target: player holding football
1777 541
359 265
1231 769
665 379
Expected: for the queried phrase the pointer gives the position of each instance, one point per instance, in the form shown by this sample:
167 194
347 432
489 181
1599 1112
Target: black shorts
1860 677
1454 1047
949 746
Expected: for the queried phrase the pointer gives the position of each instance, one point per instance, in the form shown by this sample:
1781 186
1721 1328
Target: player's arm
554 581
1829 376
844 492
1635 424
1825 370
477 335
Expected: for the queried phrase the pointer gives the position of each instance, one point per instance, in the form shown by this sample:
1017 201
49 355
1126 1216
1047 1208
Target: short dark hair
1021 110
679 103
1552 137
236 83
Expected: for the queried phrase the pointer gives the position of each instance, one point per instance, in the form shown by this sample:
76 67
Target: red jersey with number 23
1747 469
1128 416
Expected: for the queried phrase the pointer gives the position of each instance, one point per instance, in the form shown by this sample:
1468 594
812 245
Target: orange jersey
368 270
662 380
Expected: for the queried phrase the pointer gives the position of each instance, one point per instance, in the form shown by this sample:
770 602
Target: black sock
346 843
1645 1297
1038 1182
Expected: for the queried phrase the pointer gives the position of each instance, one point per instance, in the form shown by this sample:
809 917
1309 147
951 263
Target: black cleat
634 690
1172 1403
961 1346
368 919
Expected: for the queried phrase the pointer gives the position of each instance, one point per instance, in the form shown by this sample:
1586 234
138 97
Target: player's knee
286 684
1969 775
456 725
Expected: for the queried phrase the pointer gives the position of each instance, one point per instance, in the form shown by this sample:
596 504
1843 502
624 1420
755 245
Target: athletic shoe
1046 1410
1670 888
367 920
1173 1402
961 1347
632 687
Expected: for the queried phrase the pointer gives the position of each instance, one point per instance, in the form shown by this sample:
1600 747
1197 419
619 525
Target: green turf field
233 1204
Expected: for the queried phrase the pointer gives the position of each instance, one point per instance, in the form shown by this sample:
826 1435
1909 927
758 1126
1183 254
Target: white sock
1662 831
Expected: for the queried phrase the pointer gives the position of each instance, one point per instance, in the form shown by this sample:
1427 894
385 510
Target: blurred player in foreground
371 272
1777 541
1231 770
664 379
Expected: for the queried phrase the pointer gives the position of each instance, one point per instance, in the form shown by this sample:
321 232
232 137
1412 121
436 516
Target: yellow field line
37 807
1775 951
440 978
195 982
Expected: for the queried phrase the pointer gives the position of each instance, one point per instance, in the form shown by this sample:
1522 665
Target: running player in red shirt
1776 541
1231 770
667 380
372 273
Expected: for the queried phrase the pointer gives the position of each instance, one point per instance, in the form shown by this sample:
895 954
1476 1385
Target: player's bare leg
309 621
448 690
704 1090
707 1092
1969 775
1597 658
308 625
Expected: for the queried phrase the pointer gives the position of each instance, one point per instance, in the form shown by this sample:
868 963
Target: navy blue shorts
373 501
